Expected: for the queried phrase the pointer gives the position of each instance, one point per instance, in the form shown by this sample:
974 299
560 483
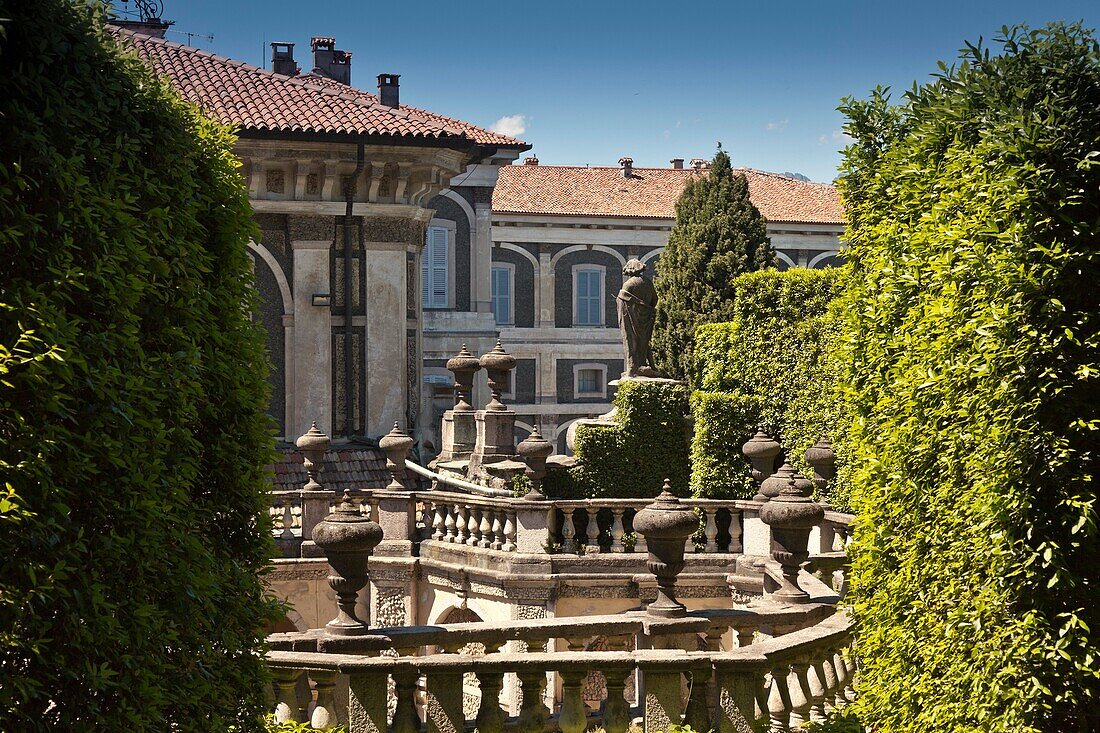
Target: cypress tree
718 235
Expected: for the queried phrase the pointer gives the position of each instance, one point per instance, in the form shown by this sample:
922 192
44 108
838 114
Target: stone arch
651 255
522 251
784 257
280 277
560 436
525 426
462 204
585 248
821 256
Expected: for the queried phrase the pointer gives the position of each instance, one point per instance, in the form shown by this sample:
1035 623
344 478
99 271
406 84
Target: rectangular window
434 277
502 295
588 297
590 381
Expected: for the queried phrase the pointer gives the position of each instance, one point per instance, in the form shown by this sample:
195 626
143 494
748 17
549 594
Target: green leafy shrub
777 363
838 721
974 311
132 391
631 459
718 235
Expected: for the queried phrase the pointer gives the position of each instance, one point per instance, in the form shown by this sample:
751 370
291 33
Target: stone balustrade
776 666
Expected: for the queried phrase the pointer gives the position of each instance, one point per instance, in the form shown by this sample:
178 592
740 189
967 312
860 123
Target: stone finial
666 525
498 363
347 539
534 450
822 458
772 485
314 444
463 365
791 515
396 445
761 451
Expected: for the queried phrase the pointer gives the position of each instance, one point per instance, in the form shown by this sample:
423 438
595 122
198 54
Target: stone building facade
343 184
547 268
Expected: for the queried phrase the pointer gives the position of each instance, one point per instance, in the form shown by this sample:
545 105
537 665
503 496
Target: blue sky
590 82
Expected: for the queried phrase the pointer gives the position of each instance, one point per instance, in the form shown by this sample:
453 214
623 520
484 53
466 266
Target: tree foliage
132 390
974 309
718 235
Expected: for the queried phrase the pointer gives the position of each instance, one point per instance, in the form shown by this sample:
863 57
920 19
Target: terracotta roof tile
651 193
251 98
362 468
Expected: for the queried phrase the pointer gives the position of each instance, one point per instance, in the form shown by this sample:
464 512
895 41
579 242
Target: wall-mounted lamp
322 299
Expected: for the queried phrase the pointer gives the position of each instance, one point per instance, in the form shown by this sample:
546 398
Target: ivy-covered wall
773 365
974 235
132 394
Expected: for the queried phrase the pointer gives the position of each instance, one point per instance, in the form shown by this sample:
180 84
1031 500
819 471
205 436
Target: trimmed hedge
631 459
975 310
132 391
776 363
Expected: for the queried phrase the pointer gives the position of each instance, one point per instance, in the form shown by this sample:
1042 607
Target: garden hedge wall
774 364
974 237
647 444
132 389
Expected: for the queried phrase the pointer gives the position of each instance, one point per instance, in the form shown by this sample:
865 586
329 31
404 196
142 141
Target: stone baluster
735 531
439 519
639 538
405 717
285 507
779 700
666 525
662 698
473 527
485 529
815 675
850 682
368 694
572 717
285 684
326 713
443 702
829 679
741 696
592 531
448 523
801 698
745 635
509 532
697 715
496 531
533 712
460 524
568 532
840 699
617 532
792 514
710 530
490 718
616 713
761 451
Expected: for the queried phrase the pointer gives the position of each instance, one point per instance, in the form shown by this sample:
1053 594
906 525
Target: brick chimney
329 62
627 166
530 160
389 90
677 163
282 59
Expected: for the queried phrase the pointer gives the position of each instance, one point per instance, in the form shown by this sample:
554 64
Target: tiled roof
358 467
251 98
651 193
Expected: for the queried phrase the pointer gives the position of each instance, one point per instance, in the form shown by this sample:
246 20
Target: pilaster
312 336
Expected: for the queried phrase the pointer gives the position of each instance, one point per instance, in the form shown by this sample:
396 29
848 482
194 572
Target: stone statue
637 303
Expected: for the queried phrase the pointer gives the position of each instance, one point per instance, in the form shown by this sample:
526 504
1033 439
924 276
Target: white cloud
510 125
835 136
777 126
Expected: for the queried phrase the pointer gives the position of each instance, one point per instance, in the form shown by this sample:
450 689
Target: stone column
481 290
312 339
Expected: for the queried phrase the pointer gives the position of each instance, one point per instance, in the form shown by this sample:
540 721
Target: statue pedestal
496 438
459 435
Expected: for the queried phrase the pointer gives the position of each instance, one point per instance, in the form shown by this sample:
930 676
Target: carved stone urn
772 485
396 445
761 451
534 450
497 363
822 458
666 525
463 365
313 444
347 539
791 515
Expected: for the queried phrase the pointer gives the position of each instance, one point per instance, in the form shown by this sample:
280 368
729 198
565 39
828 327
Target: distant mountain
797 176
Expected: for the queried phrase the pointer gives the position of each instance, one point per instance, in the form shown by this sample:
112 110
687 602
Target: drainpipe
349 196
